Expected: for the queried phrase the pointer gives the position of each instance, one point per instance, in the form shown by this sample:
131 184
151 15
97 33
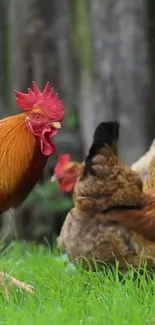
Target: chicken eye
37 116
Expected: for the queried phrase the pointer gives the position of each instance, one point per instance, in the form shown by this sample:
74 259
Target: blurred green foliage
72 120
49 198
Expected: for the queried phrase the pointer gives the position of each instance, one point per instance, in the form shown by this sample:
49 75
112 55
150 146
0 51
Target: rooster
113 218
26 143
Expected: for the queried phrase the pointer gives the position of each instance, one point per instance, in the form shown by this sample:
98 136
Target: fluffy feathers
104 181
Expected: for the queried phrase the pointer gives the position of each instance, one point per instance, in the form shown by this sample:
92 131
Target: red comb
62 161
47 100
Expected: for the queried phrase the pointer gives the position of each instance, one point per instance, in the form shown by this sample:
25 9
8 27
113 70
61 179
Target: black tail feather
106 133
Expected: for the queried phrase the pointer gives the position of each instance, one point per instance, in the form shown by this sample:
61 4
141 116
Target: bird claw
7 281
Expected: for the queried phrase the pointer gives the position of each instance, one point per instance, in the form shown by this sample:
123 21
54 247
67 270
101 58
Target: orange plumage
21 162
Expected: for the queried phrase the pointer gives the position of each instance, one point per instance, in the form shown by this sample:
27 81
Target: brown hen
107 193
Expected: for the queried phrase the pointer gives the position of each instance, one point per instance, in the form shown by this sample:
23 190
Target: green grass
66 295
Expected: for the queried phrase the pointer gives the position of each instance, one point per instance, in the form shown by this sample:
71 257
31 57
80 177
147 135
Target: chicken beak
56 125
53 178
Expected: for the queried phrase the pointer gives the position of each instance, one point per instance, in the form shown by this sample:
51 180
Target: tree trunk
122 70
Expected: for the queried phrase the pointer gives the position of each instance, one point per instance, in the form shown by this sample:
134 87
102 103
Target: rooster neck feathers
22 162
